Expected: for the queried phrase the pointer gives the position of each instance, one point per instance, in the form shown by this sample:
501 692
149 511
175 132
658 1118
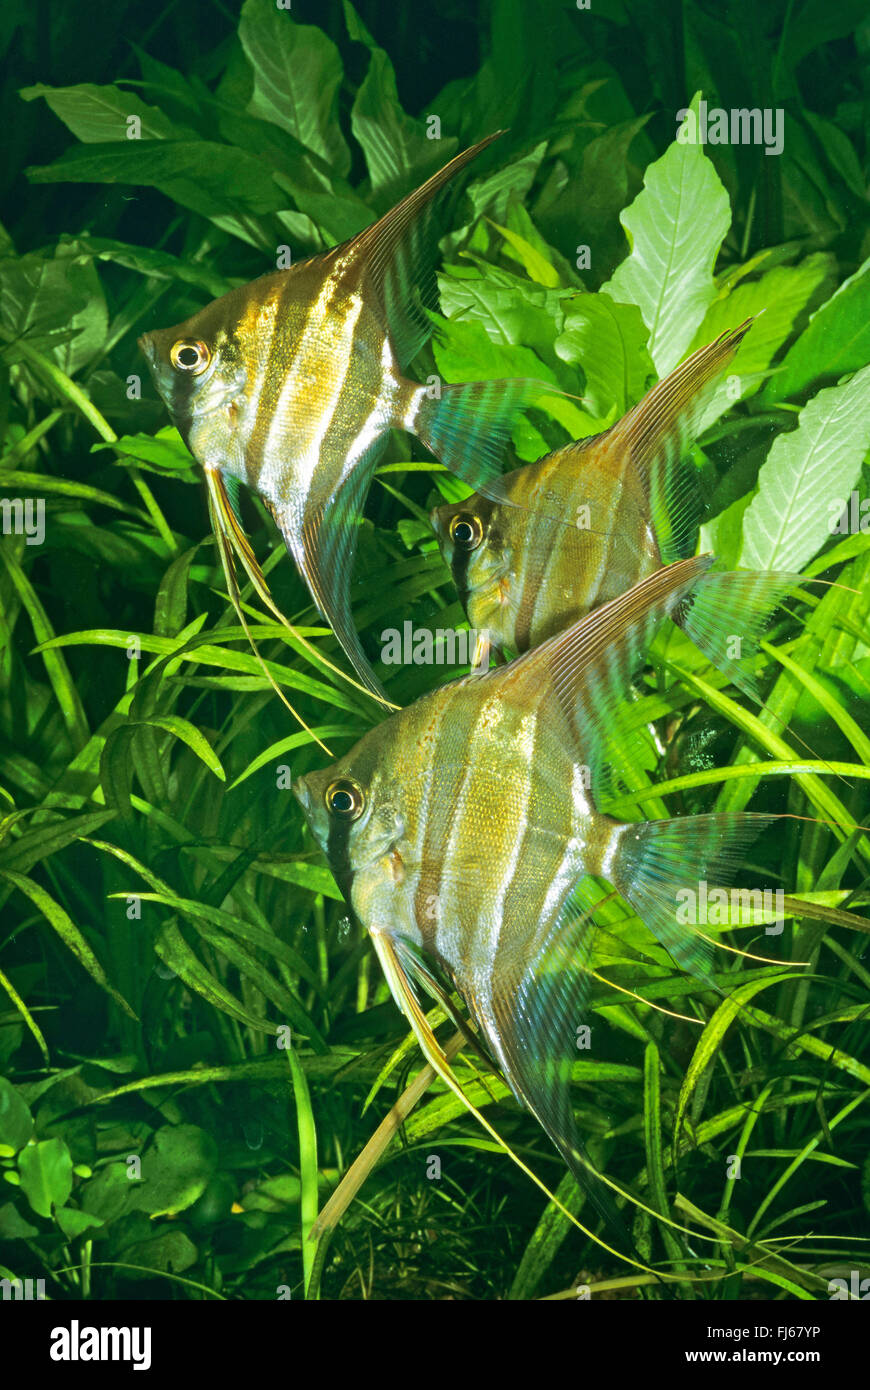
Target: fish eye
189 355
466 530
344 799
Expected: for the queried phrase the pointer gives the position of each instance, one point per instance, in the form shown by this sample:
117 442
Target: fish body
291 384
302 378
522 576
580 526
460 828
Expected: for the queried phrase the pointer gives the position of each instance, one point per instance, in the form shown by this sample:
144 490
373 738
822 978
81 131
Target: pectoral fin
223 496
232 541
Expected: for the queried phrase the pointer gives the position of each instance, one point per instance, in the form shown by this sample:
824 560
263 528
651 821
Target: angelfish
460 829
596 516
290 385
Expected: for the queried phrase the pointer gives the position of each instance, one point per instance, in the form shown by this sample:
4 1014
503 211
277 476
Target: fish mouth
302 794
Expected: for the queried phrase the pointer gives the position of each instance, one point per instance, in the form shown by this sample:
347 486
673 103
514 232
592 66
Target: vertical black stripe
338 854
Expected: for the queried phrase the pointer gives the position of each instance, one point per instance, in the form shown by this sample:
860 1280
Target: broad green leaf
159 265
397 151
212 175
170 1253
536 265
839 151
817 22
55 303
835 341
297 73
464 351
495 194
675 227
511 309
16 1122
601 191
97 115
165 451
519 222
178 95
805 481
109 1192
609 342
13 1226
46 1174
776 298
723 534
176 1168
227 185
74 1223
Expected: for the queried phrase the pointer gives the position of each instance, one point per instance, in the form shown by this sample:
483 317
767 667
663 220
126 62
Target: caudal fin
725 615
469 427
666 870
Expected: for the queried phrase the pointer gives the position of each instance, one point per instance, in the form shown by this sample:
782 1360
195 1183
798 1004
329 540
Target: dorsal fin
659 431
399 250
584 673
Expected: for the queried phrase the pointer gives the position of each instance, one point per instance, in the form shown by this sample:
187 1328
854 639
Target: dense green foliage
164 911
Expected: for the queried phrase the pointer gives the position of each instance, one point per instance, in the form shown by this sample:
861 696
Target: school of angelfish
460 828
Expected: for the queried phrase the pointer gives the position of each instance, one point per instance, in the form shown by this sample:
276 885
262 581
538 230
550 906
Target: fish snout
148 348
302 793
439 521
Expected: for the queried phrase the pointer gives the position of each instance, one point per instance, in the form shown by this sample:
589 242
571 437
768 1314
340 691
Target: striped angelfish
461 828
291 384
595 517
